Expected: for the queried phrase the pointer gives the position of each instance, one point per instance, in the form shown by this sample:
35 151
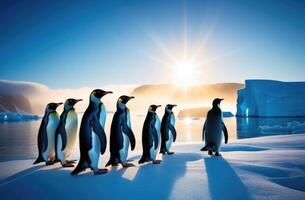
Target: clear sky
76 43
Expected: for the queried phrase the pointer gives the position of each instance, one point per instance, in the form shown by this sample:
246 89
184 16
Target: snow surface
267 98
258 168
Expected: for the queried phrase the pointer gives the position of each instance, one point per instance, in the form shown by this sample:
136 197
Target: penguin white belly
71 131
94 152
60 153
169 142
124 151
53 122
103 115
153 151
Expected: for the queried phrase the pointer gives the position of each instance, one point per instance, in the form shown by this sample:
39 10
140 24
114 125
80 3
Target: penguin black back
150 137
167 128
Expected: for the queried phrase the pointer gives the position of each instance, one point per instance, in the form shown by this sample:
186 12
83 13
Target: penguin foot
162 152
217 154
210 153
67 165
100 171
126 165
170 153
50 162
70 161
156 161
204 148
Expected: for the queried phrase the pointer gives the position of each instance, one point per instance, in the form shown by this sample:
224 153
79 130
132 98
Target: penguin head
97 94
52 106
216 102
69 103
122 100
153 107
169 107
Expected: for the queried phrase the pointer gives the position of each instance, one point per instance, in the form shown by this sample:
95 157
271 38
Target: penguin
151 136
121 134
213 128
46 135
92 137
168 131
66 133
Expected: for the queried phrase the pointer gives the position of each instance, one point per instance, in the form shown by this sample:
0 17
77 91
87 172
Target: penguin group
57 135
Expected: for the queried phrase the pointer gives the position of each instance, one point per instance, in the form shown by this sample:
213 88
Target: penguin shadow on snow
60 184
21 174
158 180
223 182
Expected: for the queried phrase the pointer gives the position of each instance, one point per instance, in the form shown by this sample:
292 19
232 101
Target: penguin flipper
173 130
130 135
98 129
62 133
61 129
42 135
203 130
225 132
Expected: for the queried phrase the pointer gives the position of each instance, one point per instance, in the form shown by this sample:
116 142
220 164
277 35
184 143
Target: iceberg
268 98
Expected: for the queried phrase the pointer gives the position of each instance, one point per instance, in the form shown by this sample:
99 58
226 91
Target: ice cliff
268 98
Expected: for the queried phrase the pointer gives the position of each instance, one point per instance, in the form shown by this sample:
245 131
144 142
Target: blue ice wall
268 98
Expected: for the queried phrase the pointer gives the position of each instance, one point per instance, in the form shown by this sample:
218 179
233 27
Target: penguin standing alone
66 133
213 128
168 131
92 137
151 136
121 134
46 135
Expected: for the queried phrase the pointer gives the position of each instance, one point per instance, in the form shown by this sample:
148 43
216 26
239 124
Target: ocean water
18 140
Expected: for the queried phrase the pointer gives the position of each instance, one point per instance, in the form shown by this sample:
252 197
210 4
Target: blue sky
77 43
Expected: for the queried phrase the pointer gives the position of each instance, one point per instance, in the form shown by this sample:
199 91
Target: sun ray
153 58
185 67
185 35
220 56
162 46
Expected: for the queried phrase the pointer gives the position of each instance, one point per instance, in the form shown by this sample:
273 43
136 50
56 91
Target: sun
184 73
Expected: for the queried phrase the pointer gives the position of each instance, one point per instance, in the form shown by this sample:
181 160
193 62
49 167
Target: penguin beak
174 105
58 104
109 92
78 100
159 106
221 99
131 97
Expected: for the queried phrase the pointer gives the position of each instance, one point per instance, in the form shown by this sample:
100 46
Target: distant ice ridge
267 98
12 116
